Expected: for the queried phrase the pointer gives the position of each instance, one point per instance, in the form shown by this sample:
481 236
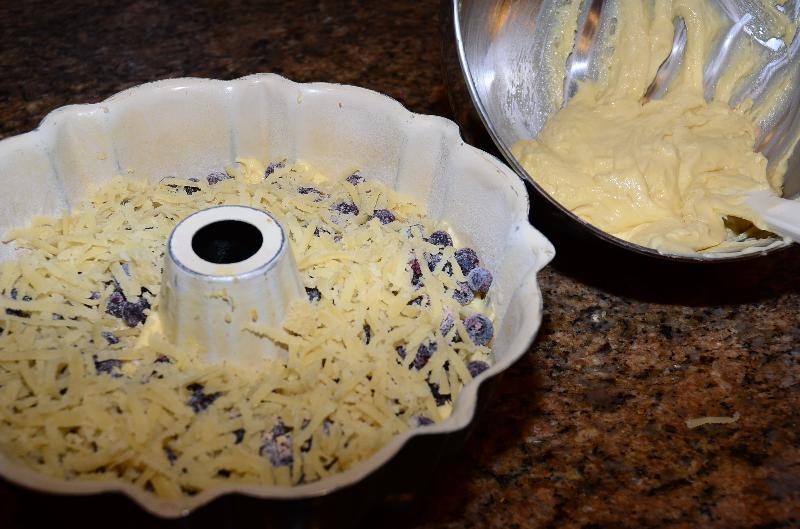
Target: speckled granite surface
587 430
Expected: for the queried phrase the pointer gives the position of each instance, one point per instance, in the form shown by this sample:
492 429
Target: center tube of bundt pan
227 269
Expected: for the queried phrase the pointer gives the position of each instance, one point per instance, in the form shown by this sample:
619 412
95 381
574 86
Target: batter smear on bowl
396 320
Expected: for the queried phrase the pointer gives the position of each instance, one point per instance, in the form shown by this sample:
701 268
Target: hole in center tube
227 241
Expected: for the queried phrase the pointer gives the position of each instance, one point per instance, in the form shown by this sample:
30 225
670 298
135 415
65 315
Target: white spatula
781 216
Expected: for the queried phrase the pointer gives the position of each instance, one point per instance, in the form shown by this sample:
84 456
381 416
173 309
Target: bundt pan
191 127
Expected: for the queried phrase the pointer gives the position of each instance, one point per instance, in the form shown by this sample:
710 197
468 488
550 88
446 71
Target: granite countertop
589 429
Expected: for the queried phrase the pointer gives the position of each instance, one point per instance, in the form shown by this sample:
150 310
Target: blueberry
476 367
384 216
190 189
401 351
467 259
447 268
110 337
355 178
131 313
216 177
416 270
463 294
224 473
57 316
367 333
424 353
415 230
421 420
17 312
200 400
479 328
107 367
277 446
447 322
441 399
171 455
346 208
318 231
274 165
417 301
313 294
94 295
440 238
310 190
432 259
479 280
239 435
162 359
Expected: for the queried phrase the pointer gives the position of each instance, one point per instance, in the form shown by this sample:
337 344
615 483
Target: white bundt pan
191 127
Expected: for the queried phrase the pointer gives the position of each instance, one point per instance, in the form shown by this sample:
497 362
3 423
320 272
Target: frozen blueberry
384 216
313 294
424 353
416 301
216 177
421 420
312 191
415 230
131 313
17 312
416 270
238 435
476 367
94 295
447 268
440 238
479 328
432 259
467 259
479 280
441 399
463 294
355 178
447 322
171 455
162 359
110 337
274 165
367 333
346 208
318 231
401 351
107 367
277 446
200 400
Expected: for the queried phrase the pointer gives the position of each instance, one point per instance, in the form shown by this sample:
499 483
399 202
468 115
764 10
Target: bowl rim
537 245
748 253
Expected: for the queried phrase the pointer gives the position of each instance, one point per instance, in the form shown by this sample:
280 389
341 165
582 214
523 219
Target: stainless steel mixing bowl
500 47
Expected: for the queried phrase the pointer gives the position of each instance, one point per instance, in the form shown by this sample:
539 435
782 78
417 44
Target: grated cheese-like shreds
82 398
